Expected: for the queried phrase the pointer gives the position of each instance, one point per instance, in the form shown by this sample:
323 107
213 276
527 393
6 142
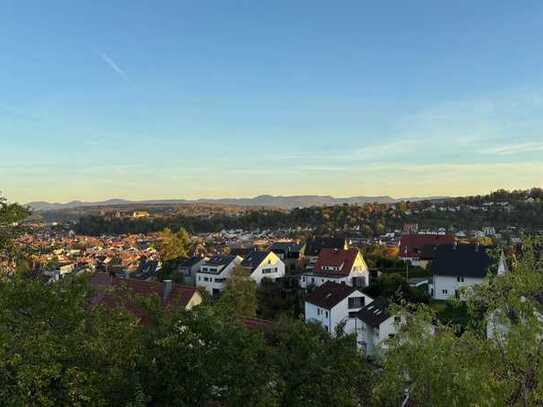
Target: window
318 311
445 292
460 279
303 279
397 319
206 279
356 302
326 314
269 271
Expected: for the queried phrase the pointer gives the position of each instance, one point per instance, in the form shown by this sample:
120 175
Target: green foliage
314 368
395 287
11 214
276 298
460 368
239 296
174 245
55 350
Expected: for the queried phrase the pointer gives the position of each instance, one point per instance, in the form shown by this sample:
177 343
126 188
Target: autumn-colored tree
174 245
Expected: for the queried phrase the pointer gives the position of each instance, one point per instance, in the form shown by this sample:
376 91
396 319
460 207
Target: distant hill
284 202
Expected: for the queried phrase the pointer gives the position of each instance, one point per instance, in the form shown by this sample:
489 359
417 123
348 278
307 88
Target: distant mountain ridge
284 202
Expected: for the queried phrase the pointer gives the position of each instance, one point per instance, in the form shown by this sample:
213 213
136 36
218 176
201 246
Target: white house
313 248
455 267
263 265
188 267
338 266
215 271
373 325
332 304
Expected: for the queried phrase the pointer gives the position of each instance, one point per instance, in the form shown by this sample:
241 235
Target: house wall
216 281
330 319
317 314
450 285
359 270
372 339
272 261
194 301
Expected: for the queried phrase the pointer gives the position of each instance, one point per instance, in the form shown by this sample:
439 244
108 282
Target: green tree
11 216
316 369
174 245
239 296
451 369
205 356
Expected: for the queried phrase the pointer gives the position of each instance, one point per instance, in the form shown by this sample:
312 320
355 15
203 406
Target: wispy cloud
113 65
512 149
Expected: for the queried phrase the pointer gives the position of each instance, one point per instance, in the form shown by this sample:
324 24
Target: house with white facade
215 271
188 267
339 266
455 267
332 304
419 249
262 265
373 325
313 248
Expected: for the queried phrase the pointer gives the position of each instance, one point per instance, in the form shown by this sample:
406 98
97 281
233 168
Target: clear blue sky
172 99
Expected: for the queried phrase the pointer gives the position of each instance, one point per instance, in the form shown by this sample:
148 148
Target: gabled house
290 253
314 247
215 271
108 290
339 266
455 267
188 267
331 304
419 249
374 325
262 265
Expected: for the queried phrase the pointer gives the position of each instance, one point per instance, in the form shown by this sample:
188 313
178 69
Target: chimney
166 289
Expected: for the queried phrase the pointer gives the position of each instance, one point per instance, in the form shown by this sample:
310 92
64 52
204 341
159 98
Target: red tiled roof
342 259
412 245
179 296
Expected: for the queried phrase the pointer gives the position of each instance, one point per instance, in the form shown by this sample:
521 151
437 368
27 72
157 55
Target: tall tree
496 361
174 245
239 296
11 215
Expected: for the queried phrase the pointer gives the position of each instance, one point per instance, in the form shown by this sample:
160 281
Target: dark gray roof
254 259
461 260
189 261
219 261
375 313
314 247
329 294
286 247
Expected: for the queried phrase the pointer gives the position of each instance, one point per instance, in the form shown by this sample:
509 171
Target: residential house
110 291
339 266
373 325
455 267
313 249
262 265
290 253
331 304
214 272
188 267
418 248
